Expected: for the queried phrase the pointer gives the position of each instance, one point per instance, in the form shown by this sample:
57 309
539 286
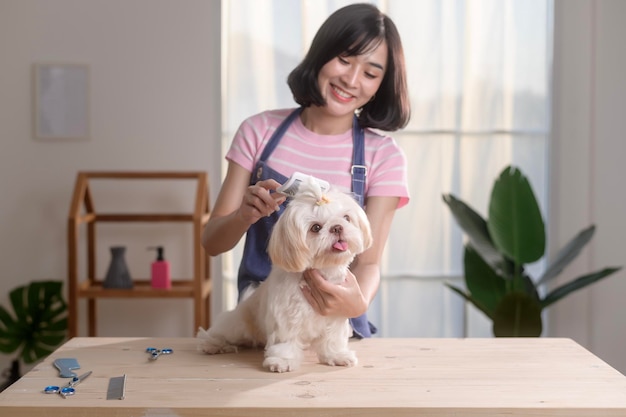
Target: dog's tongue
341 245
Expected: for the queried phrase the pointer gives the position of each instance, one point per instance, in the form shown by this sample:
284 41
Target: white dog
323 231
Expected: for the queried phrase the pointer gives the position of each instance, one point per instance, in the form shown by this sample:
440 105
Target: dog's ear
287 247
363 224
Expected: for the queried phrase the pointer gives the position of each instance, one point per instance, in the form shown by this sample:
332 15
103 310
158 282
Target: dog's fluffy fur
319 231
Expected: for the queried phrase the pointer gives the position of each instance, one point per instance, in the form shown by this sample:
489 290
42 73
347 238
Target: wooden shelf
141 289
82 212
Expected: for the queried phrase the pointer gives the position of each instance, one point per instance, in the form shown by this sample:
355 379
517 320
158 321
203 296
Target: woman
352 79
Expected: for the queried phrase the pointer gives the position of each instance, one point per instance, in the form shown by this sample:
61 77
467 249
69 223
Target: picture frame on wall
61 101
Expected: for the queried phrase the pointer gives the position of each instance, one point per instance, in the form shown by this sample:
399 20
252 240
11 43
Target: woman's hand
345 299
258 202
238 206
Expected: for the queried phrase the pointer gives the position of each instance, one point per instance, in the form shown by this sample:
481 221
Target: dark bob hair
354 30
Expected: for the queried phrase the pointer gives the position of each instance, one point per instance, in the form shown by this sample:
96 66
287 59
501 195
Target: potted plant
38 325
499 248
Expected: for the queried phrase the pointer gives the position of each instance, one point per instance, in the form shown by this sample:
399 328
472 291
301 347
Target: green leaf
469 298
577 284
39 323
567 254
6 320
529 287
515 223
51 339
31 353
475 227
35 301
58 325
517 315
8 342
483 283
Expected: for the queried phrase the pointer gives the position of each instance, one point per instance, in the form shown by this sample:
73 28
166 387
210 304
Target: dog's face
319 230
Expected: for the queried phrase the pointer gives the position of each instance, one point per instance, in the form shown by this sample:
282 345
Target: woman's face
349 82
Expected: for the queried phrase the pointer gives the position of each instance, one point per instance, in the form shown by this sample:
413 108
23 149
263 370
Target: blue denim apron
255 264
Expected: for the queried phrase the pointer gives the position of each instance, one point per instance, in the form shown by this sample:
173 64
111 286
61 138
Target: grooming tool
67 390
155 353
291 186
117 388
65 366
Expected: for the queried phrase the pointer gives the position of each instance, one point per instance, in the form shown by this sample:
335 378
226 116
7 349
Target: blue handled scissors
67 390
155 353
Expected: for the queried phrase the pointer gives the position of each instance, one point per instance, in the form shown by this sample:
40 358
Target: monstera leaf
38 323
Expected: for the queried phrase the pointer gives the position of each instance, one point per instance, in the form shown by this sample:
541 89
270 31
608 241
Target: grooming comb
117 388
65 366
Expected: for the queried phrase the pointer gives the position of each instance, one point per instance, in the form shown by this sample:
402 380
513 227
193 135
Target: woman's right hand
258 201
237 207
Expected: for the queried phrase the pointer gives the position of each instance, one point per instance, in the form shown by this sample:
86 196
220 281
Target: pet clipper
291 186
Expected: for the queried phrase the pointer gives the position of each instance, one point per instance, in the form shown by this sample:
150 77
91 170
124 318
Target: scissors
67 390
155 353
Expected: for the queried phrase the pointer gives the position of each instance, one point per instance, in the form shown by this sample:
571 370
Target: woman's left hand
345 299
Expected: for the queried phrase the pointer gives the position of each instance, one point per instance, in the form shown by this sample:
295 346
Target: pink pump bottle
160 271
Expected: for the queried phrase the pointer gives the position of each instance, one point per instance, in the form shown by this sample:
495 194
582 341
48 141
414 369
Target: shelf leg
91 313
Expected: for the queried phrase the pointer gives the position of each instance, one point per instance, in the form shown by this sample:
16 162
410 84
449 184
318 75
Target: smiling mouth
341 94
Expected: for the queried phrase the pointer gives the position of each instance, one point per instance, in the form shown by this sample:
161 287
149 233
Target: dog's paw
345 358
276 364
213 345
214 348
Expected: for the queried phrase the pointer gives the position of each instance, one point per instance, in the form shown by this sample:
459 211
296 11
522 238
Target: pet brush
291 186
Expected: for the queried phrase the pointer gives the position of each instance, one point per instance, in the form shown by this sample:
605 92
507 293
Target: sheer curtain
479 77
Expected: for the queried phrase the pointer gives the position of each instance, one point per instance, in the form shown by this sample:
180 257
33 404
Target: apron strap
361 327
278 134
358 169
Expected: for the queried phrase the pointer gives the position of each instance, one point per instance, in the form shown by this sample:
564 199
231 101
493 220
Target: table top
394 377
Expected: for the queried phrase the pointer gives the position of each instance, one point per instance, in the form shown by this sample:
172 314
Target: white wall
155 100
155 105
587 169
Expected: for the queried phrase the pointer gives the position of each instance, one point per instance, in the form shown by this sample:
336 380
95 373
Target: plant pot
12 374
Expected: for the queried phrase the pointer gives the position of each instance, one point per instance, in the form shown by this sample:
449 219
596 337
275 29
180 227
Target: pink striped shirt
324 156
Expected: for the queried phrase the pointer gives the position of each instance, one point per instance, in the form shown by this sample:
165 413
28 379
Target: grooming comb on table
117 388
65 366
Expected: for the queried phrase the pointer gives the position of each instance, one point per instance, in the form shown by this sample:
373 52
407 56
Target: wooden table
395 377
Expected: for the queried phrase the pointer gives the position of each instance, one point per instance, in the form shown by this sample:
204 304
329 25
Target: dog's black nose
336 229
